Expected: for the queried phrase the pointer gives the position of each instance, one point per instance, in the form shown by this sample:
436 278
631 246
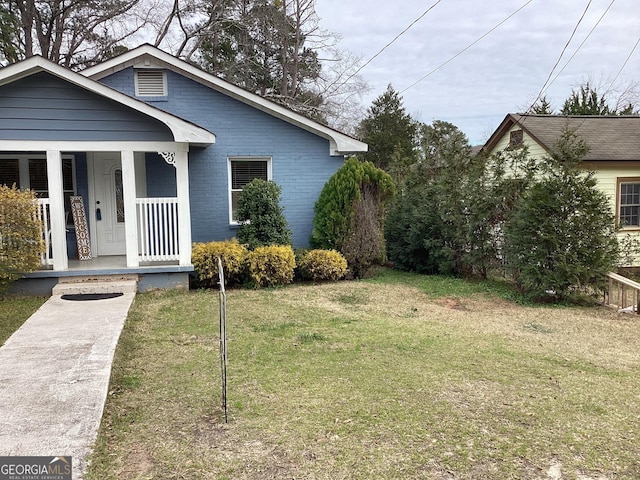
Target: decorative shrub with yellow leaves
20 234
271 265
204 257
322 265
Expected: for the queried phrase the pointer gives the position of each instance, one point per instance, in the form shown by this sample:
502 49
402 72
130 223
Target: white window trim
269 161
164 83
624 181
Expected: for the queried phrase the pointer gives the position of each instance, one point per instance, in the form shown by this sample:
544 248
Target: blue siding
44 107
161 177
301 160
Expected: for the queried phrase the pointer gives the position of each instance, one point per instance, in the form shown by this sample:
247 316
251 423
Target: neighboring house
148 137
614 154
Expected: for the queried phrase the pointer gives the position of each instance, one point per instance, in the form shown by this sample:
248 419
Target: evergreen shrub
260 215
561 236
349 214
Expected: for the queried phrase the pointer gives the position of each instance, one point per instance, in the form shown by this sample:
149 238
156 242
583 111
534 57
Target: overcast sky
504 72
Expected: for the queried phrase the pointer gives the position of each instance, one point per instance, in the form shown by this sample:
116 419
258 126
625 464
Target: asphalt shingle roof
611 138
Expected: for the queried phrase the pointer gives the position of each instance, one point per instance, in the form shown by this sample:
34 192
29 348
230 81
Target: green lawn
402 376
13 313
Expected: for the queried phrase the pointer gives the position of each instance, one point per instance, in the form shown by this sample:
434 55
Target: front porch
153 244
149 275
65 136
157 235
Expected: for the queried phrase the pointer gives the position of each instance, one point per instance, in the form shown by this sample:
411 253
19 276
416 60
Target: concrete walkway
54 376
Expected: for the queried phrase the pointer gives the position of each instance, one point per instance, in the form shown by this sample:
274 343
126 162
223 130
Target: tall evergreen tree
389 131
586 101
426 226
542 107
262 47
561 235
9 35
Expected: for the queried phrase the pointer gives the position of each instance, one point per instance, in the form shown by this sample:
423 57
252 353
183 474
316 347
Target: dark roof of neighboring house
475 150
613 138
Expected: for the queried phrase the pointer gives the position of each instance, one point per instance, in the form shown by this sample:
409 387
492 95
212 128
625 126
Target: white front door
108 208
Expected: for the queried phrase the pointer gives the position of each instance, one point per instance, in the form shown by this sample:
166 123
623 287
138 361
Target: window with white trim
150 83
629 202
242 170
28 171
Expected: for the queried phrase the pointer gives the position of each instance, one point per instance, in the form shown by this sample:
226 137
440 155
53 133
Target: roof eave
339 143
181 130
509 121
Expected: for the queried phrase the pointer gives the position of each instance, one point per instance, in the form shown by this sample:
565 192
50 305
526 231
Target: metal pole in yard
223 338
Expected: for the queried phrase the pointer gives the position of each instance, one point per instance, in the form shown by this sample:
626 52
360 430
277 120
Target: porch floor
110 265
99 263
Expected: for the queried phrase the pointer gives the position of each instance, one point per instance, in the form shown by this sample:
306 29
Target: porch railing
623 293
158 229
44 220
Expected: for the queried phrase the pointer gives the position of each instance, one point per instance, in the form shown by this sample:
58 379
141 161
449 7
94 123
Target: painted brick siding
300 160
161 177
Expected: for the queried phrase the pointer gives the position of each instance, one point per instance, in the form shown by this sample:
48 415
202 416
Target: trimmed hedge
322 265
271 265
264 266
204 257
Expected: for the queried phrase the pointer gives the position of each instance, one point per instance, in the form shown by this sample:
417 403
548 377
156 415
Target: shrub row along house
614 155
152 153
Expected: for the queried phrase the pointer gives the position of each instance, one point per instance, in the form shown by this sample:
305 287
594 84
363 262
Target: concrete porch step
96 284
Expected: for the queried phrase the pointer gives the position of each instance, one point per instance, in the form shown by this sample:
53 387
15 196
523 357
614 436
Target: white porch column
184 206
58 220
130 215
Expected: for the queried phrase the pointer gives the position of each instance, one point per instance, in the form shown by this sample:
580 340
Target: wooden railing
158 229
44 220
623 293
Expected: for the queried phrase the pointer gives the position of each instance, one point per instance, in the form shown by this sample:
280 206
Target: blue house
136 158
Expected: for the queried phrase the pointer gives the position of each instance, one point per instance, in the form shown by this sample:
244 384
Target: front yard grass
399 377
14 311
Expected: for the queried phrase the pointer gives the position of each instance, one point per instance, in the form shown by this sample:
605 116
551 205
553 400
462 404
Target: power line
392 41
544 86
465 49
625 62
583 42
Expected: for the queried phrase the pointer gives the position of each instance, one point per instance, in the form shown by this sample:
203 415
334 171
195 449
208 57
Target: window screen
10 172
242 172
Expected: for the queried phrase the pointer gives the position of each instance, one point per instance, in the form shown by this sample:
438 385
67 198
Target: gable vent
151 83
